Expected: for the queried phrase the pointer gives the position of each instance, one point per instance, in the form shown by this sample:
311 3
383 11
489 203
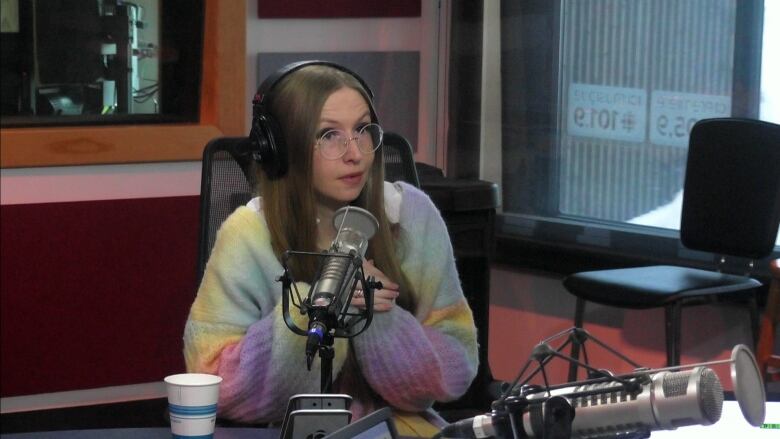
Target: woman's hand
384 299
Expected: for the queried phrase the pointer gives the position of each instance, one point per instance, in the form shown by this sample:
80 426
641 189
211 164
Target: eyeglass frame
348 139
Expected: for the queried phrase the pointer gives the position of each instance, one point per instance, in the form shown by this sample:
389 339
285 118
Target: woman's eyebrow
333 121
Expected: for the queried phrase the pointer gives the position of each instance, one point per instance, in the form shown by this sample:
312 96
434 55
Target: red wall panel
337 8
95 293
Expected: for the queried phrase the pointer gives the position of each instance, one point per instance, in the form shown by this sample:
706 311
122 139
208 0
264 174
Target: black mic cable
494 424
553 417
316 338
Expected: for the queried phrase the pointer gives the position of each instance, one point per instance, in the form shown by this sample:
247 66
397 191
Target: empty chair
731 207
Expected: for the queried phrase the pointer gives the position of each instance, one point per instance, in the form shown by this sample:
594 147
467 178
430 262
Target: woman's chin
336 201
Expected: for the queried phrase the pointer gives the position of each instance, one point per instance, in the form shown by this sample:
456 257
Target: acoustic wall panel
95 293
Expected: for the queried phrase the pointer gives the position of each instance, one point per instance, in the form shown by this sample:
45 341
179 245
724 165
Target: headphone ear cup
269 149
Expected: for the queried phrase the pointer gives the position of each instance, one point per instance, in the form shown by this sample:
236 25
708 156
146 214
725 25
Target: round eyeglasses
333 144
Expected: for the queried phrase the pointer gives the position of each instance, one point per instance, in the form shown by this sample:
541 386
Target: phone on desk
377 425
317 401
311 416
314 424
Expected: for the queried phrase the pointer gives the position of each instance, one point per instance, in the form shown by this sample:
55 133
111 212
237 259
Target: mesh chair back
399 159
731 198
227 182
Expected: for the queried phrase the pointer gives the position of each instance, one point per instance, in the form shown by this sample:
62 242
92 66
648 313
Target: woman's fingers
384 299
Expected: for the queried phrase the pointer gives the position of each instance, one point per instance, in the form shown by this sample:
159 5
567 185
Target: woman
421 345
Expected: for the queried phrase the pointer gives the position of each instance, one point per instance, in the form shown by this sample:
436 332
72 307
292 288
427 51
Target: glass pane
770 68
107 61
770 63
599 96
635 77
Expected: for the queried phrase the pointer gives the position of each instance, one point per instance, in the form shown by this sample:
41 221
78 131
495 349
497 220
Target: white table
732 425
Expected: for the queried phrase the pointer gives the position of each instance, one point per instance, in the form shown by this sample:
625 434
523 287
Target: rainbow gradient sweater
236 330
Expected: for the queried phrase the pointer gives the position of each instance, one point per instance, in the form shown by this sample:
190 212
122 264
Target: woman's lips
352 179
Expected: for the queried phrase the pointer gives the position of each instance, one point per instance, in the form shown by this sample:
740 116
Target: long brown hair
289 202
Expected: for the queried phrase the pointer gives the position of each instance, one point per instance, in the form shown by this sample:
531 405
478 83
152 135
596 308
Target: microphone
627 406
662 401
336 276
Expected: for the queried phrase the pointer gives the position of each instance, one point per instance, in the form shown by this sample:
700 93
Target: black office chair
399 159
228 181
731 207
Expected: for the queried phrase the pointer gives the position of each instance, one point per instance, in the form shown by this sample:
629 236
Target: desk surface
731 425
143 433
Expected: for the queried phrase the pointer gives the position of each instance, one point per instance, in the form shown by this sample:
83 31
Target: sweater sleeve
414 360
236 329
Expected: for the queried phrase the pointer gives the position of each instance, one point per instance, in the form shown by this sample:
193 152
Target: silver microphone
665 400
659 399
336 276
355 227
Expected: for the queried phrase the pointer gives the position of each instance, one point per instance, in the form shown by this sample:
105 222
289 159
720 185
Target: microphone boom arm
543 354
627 405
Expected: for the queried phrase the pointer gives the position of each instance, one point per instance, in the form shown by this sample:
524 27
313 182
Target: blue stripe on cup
200 410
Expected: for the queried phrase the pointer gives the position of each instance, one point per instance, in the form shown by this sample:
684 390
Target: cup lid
193 379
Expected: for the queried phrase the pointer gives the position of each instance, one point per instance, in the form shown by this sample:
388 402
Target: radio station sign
606 112
673 114
620 113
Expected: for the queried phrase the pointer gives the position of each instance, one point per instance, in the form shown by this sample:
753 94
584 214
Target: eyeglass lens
334 143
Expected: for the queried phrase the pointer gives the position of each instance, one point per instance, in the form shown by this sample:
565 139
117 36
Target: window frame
564 244
221 87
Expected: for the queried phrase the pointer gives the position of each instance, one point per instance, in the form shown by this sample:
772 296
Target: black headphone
267 141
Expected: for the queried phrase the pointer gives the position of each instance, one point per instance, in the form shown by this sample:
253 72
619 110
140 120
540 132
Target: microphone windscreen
357 220
748 385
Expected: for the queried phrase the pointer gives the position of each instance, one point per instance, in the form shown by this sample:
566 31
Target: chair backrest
731 198
228 181
399 159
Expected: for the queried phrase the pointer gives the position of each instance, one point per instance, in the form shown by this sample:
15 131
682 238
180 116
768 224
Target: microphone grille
708 392
676 384
710 395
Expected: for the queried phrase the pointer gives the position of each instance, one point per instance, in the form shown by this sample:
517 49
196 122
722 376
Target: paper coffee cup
192 403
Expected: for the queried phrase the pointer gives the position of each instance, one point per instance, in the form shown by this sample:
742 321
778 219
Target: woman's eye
330 135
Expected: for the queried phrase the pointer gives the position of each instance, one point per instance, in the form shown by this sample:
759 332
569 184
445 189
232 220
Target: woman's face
340 181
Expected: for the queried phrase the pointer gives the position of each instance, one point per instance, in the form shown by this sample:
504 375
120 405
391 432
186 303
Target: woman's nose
353 151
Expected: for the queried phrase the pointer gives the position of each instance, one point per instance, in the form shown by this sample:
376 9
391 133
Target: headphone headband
266 88
269 149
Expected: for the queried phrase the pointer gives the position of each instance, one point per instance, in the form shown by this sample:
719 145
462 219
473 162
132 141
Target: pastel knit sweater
236 330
